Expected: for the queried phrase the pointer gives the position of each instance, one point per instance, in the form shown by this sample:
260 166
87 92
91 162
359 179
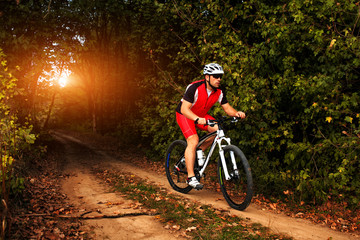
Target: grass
194 220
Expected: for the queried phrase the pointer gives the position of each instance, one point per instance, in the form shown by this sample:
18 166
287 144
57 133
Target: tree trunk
49 112
94 116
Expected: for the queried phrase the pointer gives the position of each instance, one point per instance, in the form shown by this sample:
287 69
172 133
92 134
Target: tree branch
132 214
48 10
170 81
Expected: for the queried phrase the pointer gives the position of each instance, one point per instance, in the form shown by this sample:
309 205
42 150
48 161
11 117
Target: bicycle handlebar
212 122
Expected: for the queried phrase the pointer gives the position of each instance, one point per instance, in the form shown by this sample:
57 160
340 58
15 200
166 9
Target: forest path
93 198
85 191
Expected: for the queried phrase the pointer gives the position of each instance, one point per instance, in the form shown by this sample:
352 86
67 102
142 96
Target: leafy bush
13 140
292 66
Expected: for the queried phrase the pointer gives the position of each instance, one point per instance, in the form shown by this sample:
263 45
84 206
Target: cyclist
192 112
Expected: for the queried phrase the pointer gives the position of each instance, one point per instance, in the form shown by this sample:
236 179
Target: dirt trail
86 192
93 199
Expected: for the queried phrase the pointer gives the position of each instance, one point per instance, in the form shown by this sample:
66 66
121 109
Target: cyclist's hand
201 121
240 114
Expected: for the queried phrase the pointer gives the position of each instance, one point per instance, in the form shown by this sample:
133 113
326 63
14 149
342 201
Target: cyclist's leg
190 153
188 129
190 156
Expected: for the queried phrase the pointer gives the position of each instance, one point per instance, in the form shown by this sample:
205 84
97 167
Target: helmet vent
213 68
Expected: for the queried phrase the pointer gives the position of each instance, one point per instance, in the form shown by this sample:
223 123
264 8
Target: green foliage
291 66
14 138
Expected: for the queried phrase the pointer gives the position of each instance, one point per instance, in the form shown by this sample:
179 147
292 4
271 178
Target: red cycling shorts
187 126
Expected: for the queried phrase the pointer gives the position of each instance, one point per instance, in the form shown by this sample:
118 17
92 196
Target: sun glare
57 77
63 81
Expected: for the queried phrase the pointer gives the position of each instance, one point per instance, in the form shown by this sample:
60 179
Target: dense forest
293 66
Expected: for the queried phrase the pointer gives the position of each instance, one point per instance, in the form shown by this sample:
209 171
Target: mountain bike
233 169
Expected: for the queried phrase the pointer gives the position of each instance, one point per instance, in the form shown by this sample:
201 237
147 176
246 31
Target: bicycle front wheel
175 166
238 190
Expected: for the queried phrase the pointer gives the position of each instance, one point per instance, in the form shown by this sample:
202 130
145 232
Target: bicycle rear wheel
175 166
238 190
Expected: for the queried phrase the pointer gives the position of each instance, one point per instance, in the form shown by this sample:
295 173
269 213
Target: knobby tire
238 191
176 172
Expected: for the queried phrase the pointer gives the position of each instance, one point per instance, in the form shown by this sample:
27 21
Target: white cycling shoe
193 182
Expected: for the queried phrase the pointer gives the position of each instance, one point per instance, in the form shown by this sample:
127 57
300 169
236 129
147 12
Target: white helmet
213 68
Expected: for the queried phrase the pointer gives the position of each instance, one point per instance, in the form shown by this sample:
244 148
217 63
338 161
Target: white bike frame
219 138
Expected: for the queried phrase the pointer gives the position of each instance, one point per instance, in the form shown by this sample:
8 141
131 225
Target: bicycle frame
233 169
219 138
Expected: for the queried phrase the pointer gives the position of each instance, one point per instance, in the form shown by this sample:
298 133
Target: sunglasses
217 75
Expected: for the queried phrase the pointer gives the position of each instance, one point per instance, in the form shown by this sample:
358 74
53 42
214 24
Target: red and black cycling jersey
201 98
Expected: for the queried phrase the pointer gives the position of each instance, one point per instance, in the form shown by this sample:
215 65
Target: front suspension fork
233 161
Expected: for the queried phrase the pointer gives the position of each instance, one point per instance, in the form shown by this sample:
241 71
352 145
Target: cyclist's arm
186 111
229 110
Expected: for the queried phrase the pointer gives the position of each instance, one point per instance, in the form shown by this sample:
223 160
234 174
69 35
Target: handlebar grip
210 122
235 119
